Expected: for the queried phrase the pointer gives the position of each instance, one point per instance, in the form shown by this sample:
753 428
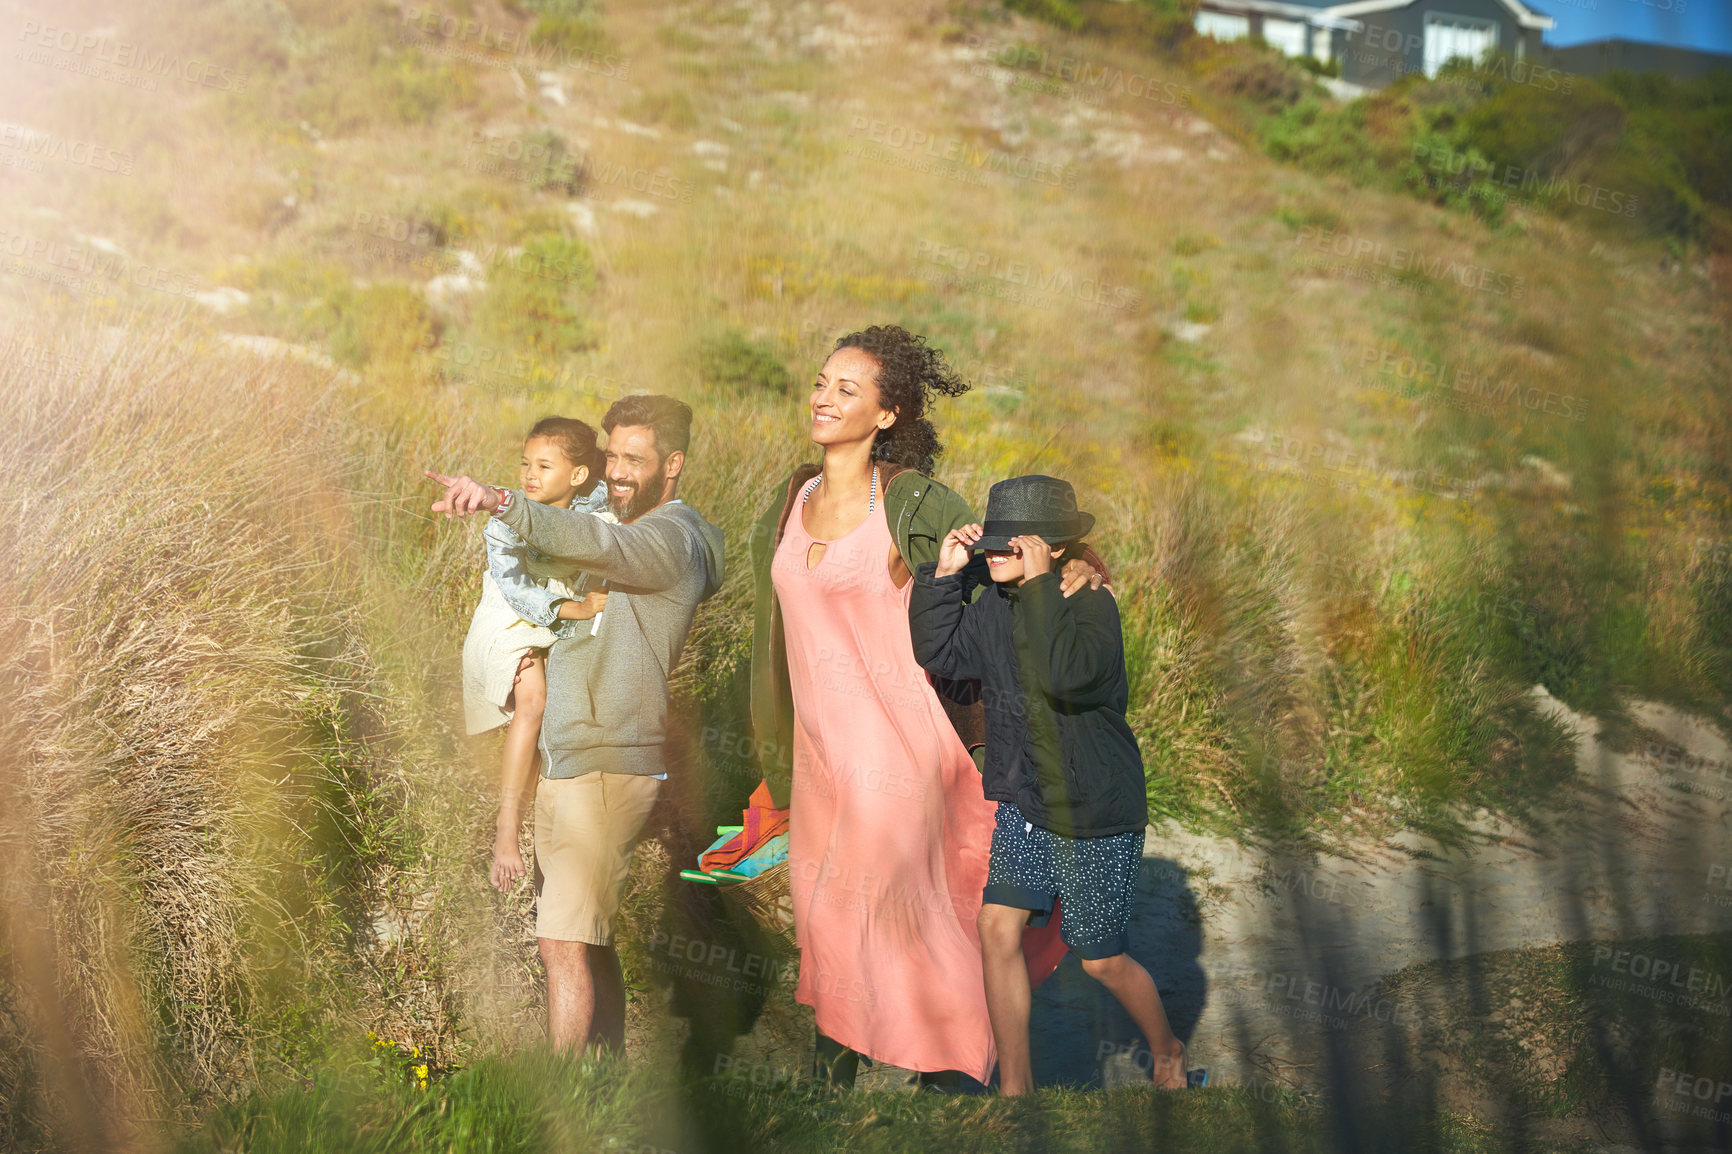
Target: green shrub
354 75
293 296
1690 119
569 34
1059 13
565 25
1656 186
380 323
532 298
1632 153
1157 24
1266 80
1323 139
557 169
734 363
414 91
1531 127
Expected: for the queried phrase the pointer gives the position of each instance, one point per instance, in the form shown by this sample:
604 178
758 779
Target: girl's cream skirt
498 639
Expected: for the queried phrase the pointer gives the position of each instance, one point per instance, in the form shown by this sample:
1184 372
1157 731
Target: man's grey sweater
607 695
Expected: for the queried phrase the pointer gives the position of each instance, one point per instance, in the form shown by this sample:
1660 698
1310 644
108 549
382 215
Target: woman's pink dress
890 831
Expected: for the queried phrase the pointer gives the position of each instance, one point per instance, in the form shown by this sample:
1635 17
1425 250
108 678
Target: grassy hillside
1520 1050
1366 467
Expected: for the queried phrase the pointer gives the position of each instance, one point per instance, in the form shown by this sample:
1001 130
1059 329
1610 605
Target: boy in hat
1061 761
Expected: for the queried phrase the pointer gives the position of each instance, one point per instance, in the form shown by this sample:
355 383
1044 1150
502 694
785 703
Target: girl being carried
529 601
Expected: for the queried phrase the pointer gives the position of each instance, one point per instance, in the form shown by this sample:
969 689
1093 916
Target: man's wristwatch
504 499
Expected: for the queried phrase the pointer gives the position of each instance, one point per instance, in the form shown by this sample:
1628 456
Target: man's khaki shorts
585 828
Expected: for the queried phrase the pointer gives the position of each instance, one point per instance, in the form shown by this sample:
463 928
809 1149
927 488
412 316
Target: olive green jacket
921 513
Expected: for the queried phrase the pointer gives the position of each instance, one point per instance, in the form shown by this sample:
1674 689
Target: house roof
1524 15
1313 12
1298 9
1332 13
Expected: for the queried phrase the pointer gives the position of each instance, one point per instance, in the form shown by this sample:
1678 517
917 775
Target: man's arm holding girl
649 554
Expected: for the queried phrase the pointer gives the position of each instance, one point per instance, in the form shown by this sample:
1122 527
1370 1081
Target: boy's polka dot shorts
1094 878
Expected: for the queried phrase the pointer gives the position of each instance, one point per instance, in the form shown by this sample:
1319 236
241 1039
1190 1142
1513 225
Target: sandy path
1283 946
1258 956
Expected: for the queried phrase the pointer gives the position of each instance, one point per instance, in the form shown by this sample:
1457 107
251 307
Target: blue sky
1705 24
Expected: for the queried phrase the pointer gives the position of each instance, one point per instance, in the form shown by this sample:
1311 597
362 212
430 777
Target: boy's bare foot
508 864
1169 1069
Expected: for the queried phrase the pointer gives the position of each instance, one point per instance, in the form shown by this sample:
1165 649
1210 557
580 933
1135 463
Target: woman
890 832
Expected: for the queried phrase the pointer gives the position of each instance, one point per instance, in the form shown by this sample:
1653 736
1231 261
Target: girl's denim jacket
520 570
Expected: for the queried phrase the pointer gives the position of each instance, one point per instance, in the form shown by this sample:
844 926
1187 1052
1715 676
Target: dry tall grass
156 555
240 821
210 814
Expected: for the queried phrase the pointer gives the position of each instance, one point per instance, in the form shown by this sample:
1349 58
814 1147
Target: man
607 696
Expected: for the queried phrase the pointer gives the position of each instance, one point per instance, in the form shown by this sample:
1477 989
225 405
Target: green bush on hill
354 74
382 322
1267 81
564 26
1689 120
734 363
531 300
1059 13
1157 24
1602 153
558 170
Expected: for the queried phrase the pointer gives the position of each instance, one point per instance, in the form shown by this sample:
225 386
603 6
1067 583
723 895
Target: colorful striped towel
760 822
766 857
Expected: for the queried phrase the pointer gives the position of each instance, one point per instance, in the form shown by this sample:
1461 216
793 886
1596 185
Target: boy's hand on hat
463 495
955 549
1036 555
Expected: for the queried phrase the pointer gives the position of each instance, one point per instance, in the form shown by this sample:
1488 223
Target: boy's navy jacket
1052 675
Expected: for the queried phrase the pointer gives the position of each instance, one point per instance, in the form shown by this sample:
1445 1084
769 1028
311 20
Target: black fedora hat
1032 506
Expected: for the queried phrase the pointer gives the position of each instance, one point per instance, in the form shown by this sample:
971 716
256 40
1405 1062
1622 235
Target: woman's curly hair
910 372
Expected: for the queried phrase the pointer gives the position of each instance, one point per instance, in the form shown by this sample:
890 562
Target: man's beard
639 501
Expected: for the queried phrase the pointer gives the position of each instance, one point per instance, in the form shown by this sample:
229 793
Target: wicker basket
767 899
